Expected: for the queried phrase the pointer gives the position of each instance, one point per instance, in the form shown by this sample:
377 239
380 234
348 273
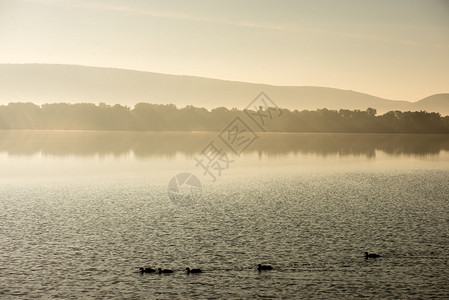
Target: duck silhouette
263 268
146 270
165 271
188 270
371 255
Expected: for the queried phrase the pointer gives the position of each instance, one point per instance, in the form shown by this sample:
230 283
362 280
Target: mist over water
79 211
168 144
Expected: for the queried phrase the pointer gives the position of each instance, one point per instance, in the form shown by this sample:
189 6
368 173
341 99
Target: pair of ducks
166 271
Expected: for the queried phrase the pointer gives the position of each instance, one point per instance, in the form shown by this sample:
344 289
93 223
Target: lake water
80 211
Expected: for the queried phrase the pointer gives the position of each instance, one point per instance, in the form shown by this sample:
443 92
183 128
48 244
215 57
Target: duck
146 270
188 270
262 267
371 255
165 271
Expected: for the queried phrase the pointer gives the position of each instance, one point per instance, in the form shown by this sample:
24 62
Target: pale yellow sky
391 49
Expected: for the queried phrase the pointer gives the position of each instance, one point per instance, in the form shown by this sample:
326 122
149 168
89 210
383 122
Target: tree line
168 117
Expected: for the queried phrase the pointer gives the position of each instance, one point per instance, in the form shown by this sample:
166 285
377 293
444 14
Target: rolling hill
45 83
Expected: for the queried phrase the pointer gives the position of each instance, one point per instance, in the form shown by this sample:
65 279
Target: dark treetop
157 117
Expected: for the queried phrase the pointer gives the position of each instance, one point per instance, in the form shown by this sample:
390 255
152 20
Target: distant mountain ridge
46 83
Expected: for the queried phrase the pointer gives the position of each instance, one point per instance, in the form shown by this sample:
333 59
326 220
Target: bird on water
371 255
165 271
262 267
147 270
188 270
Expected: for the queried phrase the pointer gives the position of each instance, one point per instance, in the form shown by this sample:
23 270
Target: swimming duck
160 271
262 267
147 270
188 270
371 255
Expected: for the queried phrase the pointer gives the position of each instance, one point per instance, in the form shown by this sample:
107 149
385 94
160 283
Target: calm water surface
80 211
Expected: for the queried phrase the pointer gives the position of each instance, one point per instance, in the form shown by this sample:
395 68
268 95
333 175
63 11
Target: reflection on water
79 201
169 144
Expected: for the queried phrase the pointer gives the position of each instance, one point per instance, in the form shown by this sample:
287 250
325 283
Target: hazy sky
392 49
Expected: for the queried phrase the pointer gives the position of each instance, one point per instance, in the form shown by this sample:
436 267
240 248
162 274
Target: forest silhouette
168 117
